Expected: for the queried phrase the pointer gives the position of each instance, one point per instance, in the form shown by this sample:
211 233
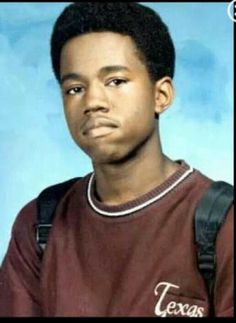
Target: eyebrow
104 70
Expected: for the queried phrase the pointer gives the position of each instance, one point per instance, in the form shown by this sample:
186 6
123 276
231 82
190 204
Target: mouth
99 127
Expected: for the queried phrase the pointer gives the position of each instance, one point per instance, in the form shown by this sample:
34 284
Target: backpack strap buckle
207 264
42 232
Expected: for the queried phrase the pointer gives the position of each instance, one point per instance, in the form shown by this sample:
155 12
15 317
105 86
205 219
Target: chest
112 271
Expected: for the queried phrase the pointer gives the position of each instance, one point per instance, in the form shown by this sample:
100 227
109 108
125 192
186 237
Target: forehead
98 49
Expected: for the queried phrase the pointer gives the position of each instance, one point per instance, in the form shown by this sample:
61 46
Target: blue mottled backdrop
36 149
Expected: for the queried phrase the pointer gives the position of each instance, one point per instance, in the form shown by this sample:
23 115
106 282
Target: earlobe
164 94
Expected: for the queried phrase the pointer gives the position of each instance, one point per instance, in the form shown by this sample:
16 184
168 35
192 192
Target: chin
114 158
114 154
106 159
105 156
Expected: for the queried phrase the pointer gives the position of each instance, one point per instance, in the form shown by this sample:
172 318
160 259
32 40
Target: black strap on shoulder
210 215
46 205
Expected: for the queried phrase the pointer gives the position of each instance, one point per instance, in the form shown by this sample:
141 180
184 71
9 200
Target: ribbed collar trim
141 202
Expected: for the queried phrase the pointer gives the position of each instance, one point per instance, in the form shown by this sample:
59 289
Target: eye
117 82
75 90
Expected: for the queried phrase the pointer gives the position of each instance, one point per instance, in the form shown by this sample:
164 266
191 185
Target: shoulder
194 190
26 219
193 187
59 189
216 198
23 230
226 232
201 182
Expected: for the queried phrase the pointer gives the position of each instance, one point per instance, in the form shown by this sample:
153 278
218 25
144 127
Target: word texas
174 308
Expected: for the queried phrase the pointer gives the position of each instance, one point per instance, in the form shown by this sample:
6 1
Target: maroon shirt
135 259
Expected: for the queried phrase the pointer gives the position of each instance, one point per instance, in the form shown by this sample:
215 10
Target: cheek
142 102
72 117
138 126
140 113
69 117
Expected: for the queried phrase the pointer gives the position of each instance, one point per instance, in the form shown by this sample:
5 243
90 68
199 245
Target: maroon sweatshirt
135 259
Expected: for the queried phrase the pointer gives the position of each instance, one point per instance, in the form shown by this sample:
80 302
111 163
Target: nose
95 99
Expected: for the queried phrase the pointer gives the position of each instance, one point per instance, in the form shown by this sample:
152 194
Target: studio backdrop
36 149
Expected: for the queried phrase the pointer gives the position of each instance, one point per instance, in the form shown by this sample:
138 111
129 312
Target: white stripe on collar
138 207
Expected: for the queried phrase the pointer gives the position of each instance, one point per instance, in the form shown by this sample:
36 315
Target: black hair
142 24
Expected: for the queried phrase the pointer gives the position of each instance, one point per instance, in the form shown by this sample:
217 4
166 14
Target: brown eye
117 82
75 90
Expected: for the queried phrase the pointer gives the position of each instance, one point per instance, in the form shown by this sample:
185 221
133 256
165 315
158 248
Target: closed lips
97 123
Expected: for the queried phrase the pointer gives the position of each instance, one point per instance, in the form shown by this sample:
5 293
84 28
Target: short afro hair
142 24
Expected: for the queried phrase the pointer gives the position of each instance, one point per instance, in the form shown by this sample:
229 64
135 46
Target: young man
122 241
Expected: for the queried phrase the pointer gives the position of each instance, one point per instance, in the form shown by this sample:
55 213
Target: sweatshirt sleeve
20 270
224 270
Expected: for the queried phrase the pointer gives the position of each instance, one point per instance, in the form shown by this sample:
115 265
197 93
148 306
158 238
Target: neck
120 183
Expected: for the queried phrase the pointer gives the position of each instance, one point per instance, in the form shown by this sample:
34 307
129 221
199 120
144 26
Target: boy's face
108 97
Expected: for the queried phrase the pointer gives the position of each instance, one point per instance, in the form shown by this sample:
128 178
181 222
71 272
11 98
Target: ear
164 94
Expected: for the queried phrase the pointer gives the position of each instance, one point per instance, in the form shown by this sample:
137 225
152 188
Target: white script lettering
174 308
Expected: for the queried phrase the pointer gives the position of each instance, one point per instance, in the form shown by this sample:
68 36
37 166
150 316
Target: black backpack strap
46 205
210 215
